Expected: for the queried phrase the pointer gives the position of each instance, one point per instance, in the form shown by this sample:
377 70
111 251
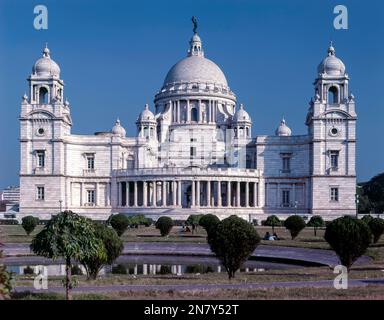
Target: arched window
194 114
247 131
43 95
333 95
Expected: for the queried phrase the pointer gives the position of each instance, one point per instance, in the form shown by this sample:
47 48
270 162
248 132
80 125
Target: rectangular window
91 162
334 194
40 193
286 198
193 151
334 157
40 159
286 162
91 196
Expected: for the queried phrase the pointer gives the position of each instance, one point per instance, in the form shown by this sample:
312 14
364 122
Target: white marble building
194 153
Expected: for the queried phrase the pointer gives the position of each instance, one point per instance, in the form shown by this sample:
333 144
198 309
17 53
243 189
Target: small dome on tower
331 65
45 66
118 129
146 115
241 115
283 129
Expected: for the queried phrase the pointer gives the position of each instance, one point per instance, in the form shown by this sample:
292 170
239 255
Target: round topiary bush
29 224
164 224
316 222
272 221
120 223
376 225
367 218
349 238
233 240
209 222
294 224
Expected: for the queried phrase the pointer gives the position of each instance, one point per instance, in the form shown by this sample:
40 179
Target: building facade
194 154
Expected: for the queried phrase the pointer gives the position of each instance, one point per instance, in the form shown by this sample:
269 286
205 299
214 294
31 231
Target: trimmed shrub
233 241
294 224
367 218
316 222
349 238
376 225
272 221
164 224
120 223
209 222
29 224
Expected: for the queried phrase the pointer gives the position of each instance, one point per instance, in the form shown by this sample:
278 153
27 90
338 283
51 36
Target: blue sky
114 56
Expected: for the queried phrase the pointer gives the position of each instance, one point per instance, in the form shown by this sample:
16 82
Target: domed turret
283 130
241 115
118 129
146 124
331 65
45 66
146 115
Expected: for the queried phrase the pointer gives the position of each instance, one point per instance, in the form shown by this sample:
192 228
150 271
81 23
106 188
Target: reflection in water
141 265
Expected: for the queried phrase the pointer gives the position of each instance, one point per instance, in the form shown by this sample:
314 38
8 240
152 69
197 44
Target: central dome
195 68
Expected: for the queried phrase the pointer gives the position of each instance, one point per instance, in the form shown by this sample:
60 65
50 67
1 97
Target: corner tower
331 122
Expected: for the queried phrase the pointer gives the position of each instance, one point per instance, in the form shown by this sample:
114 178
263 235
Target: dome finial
194 21
46 51
146 107
331 49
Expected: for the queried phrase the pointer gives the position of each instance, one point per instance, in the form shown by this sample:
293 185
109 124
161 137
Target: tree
120 223
273 221
371 194
209 222
5 281
294 224
164 224
316 222
139 219
367 218
233 241
194 220
112 246
376 225
349 238
70 236
29 224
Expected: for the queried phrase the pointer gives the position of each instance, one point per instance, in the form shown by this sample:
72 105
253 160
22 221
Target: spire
331 49
195 45
46 52
146 106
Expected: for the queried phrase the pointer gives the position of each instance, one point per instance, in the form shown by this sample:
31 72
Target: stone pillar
219 194
164 195
229 196
178 111
238 193
135 194
118 194
145 269
193 194
188 112
246 194
179 270
198 193
154 193
174 193
208 193
218 269
135 269
255 192
179 193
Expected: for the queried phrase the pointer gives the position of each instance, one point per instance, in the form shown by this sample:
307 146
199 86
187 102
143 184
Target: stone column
118 194
246 194
229 196
135 194
145 194
219 194
255 191
164 190
208 193
238 193
154 193
135 269
145 269
174 193
198 193
179 193
178 111
193 194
